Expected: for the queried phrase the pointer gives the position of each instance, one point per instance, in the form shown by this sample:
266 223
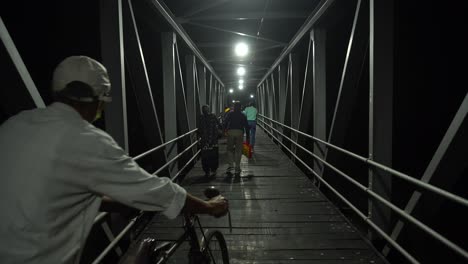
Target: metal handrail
163 145
175 158
127 228
115 241
186 164
357 211
374 195
419 183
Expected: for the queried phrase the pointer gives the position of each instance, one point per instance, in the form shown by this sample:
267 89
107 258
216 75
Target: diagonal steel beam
435 163
310 21
201 8
20 66
245 16
167 14
235 32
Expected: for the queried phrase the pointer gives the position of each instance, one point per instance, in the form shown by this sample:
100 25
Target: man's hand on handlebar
219 206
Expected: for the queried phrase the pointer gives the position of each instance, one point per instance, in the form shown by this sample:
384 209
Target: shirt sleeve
117 176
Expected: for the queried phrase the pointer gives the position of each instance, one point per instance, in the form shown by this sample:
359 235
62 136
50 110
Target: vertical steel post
112 52
380 106
319 91
191 94
209 90
169 91
202 83
295 97
274 102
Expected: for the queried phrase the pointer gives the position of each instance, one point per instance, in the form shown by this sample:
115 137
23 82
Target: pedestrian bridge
362 131
278 214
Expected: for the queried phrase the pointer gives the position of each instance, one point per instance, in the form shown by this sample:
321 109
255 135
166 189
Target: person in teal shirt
251 113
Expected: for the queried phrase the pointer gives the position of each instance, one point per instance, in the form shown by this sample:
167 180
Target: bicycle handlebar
212 192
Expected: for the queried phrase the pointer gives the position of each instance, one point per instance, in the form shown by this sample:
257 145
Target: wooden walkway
278 215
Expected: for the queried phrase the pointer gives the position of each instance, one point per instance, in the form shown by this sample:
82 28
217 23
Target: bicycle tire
208 245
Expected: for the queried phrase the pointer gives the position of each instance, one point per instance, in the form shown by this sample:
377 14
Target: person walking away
235 124
251 114
208 131
57 168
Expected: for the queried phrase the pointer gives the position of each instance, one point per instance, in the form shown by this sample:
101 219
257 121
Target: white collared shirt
54 169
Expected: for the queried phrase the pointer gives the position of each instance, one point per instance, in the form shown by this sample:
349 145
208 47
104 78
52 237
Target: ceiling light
241 81
241 49
251 96
231 90
241 71
241 86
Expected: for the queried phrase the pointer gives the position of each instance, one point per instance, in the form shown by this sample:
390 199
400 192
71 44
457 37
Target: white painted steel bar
164 144
20 66
311 20
114 242
166 13
419 183
355 209
186 164
374 195
175 158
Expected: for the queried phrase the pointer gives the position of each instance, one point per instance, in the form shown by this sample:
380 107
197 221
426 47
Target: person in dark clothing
208 131
235 123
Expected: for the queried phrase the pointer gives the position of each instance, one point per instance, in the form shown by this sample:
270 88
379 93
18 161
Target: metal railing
132 222
423 185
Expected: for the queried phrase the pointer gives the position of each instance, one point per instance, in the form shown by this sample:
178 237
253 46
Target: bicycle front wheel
215 248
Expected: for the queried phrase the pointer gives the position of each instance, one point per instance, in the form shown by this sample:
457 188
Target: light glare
241 81
241 86
231 90
241 49
241 71
251 96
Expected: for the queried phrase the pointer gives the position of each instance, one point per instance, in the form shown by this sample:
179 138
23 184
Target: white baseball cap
82 69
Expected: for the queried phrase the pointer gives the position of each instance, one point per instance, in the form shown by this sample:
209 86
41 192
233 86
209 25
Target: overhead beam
243 65
244 16
236 59
201 8
269 48
305 28
167 14
235 33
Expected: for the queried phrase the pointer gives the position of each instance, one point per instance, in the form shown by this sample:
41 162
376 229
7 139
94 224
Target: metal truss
301 110
169 112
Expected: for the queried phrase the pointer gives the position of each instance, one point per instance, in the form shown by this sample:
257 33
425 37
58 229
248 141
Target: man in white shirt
56 167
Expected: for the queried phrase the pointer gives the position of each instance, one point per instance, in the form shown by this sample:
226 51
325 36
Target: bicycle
211 249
